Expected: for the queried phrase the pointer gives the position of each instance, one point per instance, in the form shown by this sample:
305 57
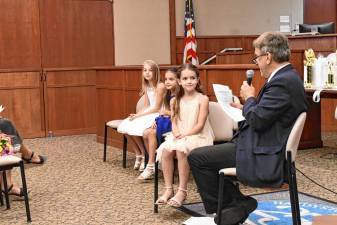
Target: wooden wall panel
20 94
329 123
76 33
19 34
70 102
318 11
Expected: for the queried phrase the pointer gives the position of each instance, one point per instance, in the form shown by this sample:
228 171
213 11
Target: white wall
142 31
230 17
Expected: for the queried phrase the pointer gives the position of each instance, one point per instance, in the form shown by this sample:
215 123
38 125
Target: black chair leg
297 206
6 189
295 211
105 141
125 144
25 192
156 187
220 197
1 197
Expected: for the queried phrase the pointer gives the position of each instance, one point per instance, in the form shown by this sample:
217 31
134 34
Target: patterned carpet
76 187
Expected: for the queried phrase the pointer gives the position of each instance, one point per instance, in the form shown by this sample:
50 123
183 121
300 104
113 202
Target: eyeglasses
254 60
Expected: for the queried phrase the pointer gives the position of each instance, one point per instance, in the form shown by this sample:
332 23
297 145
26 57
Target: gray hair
275 43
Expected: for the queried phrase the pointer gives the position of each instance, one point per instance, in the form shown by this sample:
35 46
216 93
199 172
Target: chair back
295 135
140 104
221 123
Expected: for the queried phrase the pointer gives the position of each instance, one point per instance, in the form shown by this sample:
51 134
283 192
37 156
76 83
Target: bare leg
139 150
168 169
15 189
27 154
151 143
184 171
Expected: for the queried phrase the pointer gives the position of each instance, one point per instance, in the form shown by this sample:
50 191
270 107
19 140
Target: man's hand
246 91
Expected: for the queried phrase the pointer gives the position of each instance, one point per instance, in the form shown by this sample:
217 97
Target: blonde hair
156 75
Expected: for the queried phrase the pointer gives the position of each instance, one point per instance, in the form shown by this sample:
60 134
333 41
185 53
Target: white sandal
142 164
148 173
137 162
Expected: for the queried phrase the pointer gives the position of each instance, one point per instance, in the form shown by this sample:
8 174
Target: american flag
190 50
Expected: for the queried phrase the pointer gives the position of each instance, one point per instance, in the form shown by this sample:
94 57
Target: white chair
291 152
222 126
7 163
114 125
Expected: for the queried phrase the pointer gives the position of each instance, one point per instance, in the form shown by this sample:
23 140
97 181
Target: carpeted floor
76 187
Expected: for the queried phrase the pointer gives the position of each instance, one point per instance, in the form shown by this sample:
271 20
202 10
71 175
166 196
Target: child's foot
164 198
137 162
142 164
148 173
178 199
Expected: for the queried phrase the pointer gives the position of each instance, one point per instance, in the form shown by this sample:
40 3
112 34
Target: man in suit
257 149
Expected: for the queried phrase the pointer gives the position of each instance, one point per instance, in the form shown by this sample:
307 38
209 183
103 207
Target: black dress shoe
248 203
231 215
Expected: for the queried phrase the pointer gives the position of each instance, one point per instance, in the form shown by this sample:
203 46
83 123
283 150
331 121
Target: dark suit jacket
260 145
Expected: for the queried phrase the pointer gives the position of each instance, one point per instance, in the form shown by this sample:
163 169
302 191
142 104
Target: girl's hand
236 105
154 125
132 116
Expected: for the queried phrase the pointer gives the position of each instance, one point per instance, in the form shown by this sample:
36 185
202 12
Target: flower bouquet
6 147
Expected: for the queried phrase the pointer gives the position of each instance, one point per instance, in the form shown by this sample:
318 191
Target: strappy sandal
175 202
137 162
147 174
28 161
10 192
142 164
163 200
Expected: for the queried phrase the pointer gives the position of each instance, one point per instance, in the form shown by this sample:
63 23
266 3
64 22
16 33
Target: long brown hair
168 94
155 78
180 93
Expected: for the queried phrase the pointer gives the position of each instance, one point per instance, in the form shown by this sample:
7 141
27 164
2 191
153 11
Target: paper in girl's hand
2 108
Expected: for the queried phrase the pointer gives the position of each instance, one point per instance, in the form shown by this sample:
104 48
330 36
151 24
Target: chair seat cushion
228 171
8 160
114 123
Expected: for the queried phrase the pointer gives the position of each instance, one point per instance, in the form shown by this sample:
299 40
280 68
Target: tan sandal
175 202
162 200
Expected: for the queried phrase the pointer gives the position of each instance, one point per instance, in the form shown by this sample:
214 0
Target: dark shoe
248 203
10 192
231 215
42 159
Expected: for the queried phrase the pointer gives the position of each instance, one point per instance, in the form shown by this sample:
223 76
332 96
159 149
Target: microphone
249 74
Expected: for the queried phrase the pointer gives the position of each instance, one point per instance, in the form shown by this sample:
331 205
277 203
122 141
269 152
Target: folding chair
114 125
291 151
7 163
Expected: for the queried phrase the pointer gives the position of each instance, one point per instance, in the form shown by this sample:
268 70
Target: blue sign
279 213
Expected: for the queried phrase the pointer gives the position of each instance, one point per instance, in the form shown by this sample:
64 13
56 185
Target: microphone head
250 74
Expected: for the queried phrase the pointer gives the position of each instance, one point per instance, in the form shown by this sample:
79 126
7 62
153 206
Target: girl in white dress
135 124
150 134
190 130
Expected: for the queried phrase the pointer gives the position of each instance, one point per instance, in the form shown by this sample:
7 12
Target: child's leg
139 151
151 143
184 171
150 140
168 169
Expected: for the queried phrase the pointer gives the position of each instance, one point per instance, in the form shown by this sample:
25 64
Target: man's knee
195 156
